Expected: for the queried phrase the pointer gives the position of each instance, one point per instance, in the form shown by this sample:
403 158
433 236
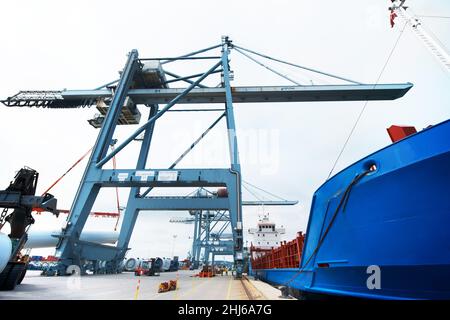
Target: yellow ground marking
197 281
177 288
230 282
137 290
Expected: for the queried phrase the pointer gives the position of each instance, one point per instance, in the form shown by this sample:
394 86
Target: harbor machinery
148 86
211 233
147 268
423 34
20 197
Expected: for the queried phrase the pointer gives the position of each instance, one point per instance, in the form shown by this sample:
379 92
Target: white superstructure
266 235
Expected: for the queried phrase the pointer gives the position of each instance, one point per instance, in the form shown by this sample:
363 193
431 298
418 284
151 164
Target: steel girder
254 94
72 251
209 236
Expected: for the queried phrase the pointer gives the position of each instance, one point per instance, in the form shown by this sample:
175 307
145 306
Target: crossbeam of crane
253 94
192 203
345 92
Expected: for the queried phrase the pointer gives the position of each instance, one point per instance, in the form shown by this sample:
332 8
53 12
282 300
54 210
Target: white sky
83 44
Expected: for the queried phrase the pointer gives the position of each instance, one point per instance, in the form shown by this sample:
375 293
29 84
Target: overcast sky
287 149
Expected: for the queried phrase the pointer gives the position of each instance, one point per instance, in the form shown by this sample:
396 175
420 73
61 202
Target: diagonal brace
189 149
180 78
191 54
157 116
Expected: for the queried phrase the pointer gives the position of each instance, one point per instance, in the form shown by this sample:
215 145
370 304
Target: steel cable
365 103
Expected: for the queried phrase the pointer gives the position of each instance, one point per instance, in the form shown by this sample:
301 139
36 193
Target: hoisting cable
267 67
164 62
366 102
255 195
117 192
70 169
342 204
437 17
428 29
433 35
252 193
73 166
260 189
296 65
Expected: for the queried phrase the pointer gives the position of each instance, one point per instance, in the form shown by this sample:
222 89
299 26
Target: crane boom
433 45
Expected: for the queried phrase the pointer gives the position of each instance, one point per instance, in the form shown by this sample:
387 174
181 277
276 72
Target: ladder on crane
432 44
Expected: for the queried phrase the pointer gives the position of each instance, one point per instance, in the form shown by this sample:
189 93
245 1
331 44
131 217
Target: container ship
377 229
266 235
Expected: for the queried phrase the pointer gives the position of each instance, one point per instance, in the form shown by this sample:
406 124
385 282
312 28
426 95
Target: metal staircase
432 44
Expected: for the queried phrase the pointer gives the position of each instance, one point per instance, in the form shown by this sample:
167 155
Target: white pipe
5 250
48 239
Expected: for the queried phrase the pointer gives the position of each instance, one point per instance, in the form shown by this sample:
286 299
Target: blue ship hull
396 217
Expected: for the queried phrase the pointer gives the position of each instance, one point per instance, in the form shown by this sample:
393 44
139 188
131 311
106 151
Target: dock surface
124 286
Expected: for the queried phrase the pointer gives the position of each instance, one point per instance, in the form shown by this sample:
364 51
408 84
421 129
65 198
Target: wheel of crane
22 276
11 277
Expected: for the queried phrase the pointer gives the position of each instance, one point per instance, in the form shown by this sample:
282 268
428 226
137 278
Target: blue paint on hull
397 218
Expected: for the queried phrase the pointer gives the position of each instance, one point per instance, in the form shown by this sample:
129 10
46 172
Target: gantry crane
209 234
210 226
20 196
143 81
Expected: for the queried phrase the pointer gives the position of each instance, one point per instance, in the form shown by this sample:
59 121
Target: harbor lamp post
173 244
